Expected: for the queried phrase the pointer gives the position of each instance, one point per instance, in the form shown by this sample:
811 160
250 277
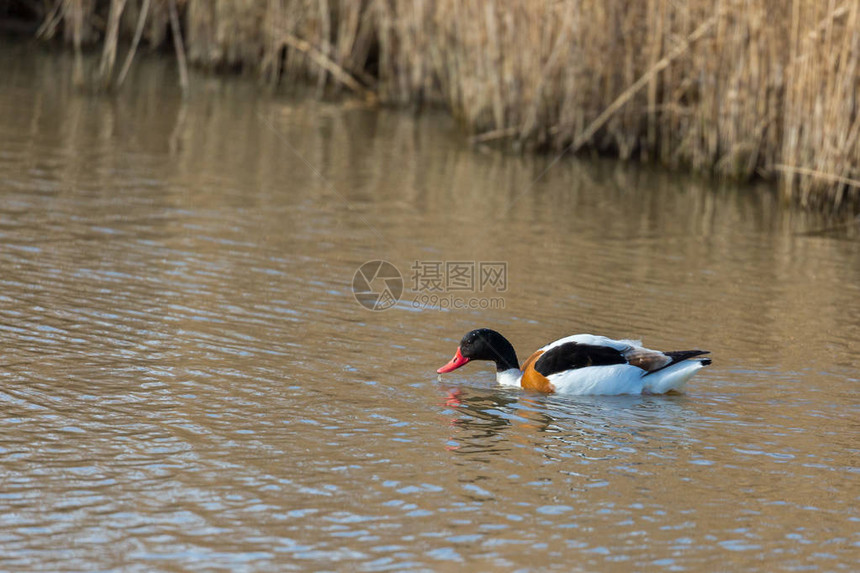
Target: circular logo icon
377 285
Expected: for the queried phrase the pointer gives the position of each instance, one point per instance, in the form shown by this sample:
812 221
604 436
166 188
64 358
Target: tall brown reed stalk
737 88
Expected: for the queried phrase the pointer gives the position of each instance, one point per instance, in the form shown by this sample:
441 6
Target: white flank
672 377
606 380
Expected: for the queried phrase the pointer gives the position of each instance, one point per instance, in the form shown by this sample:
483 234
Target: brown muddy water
188 382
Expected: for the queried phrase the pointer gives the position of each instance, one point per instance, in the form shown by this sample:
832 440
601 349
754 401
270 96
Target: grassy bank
738 88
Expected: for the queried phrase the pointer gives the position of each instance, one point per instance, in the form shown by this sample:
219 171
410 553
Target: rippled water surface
188 383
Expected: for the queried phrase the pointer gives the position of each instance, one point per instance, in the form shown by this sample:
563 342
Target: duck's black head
483 344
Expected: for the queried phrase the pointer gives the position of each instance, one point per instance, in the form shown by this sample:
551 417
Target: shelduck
582 364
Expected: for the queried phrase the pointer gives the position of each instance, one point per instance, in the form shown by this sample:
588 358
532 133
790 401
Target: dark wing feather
572 355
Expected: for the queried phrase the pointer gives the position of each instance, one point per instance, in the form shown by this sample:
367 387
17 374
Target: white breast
510 377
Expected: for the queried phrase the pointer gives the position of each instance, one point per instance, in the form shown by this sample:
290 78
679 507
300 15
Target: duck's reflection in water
484 415
490 421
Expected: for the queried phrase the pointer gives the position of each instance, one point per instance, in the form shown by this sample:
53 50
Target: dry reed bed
740 88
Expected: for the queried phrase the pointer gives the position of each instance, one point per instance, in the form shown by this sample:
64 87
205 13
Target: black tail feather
681 355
